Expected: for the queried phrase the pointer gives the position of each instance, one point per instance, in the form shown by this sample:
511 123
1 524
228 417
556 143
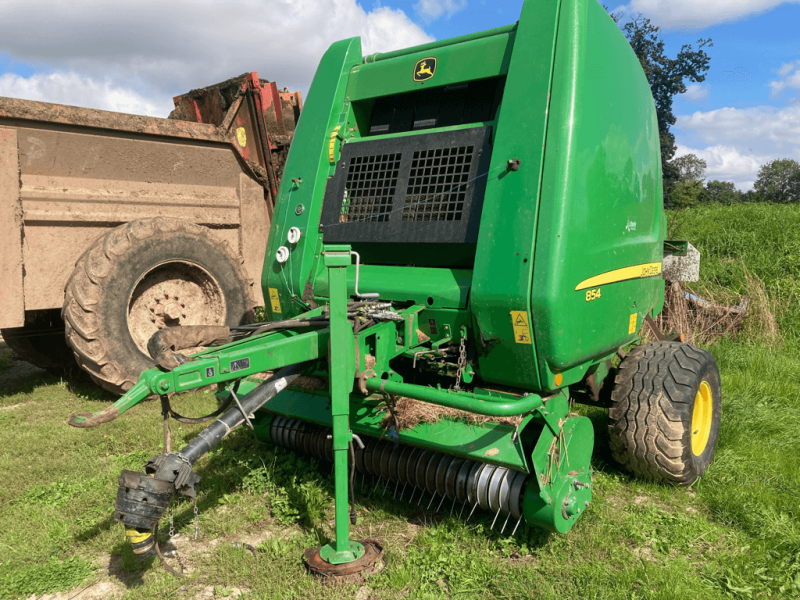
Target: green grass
734 534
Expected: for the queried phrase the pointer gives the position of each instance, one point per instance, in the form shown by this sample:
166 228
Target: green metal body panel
601 206
576 111
477 59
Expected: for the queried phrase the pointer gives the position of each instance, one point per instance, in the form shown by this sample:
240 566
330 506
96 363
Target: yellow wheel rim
702 417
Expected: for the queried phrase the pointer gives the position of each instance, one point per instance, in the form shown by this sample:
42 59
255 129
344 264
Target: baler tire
41 342
652 411
110 278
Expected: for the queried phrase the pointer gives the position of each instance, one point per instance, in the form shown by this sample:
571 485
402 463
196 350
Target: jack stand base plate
347 573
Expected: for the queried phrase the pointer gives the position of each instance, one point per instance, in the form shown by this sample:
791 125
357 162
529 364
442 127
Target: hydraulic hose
214 433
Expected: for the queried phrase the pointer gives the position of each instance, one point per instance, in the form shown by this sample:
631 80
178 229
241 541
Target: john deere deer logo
424 69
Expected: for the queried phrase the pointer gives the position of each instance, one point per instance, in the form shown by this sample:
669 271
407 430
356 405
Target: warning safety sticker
521 323
274 300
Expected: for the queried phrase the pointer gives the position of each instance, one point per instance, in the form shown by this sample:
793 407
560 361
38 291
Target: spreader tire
139 278
665 413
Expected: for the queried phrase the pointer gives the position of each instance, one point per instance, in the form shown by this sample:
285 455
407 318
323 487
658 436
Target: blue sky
134 56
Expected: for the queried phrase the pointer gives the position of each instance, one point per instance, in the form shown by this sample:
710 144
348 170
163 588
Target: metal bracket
247 420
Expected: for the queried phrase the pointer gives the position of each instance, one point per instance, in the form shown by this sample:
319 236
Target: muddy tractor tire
41 341
142 277
665 413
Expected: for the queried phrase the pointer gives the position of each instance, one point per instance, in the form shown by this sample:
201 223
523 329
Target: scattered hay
700 316
405 413
311 383
708 312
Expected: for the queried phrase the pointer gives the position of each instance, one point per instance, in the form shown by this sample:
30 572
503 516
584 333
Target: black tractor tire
41 341
129 280
666 397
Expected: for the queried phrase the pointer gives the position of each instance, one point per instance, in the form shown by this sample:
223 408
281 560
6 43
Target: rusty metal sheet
14 109
12 301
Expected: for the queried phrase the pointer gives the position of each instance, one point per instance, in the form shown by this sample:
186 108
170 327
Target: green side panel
561 489
487 57
490 442
601 204
440 288
504 257
307 158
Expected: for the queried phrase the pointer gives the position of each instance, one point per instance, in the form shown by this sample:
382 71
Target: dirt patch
96 591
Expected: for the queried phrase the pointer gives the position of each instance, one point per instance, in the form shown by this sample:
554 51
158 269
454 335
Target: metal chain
196 519
171 522
462 361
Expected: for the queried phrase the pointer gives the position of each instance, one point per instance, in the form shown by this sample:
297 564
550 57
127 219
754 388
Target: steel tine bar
495 519
395 489
440 503
474 506
403 491
504 524
517 525
431 502
380 480
461 512
386 487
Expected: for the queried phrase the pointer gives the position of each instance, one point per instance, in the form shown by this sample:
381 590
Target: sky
134 56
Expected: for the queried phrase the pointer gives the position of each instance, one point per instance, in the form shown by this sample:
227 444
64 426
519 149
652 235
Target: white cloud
778 128
430 10
735 142
727 163
790 78
71 88
691 14
160 49
695 92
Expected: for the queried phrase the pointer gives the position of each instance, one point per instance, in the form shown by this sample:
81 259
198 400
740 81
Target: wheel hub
702 417
167 311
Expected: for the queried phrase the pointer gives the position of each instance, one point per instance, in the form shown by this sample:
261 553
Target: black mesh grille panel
437 184
370 188
424 188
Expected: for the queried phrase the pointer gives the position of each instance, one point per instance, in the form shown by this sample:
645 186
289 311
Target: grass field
734 534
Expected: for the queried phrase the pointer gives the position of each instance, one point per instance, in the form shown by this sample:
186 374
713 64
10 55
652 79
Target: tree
724 192
686 193
778 181
690 167
667 78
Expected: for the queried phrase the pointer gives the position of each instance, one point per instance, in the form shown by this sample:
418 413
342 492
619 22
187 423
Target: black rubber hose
214 433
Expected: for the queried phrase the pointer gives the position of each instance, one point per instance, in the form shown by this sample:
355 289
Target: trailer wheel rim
170 294
702 418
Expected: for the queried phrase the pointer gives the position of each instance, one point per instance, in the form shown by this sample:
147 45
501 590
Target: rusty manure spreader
477 224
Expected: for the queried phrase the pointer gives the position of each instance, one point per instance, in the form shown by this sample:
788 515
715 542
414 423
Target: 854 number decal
592 295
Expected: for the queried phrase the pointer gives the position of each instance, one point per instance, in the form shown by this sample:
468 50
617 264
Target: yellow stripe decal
626 274
332 145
